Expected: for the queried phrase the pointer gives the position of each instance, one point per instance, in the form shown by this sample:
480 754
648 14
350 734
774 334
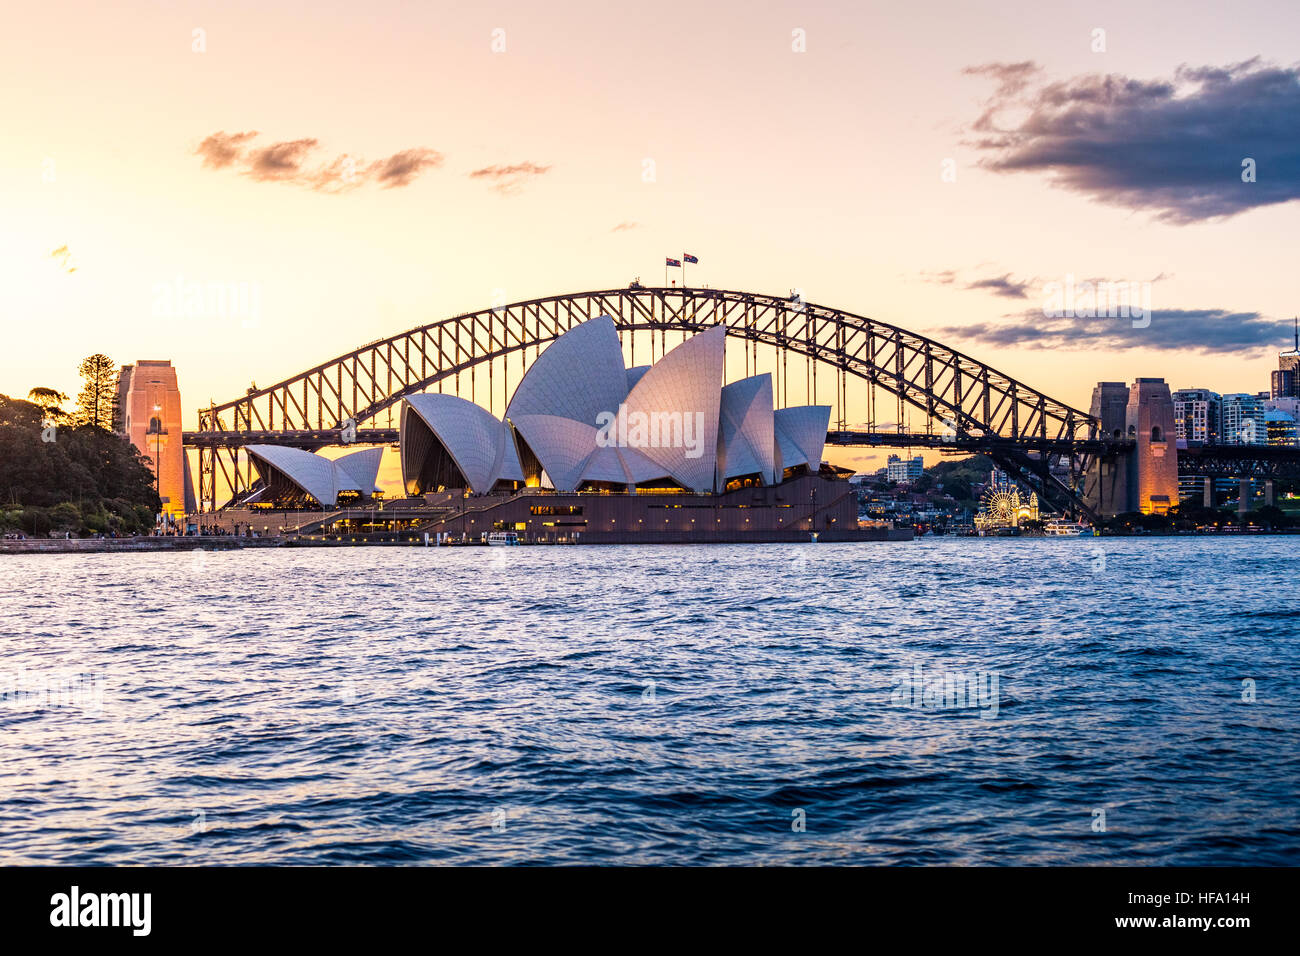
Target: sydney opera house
291 477
592 451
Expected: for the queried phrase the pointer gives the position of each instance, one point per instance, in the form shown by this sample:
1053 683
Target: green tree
10 519
102 474
50 401
98 397
65 516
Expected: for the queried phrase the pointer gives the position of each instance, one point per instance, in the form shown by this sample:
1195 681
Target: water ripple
667 705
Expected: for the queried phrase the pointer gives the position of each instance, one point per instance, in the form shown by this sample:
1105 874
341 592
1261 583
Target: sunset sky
370 167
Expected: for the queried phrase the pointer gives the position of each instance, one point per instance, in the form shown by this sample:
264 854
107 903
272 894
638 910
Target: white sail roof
801 434
578 376
562 445
511 469
634 375
473 437
679 400
621 465
358 471
746 430
312 473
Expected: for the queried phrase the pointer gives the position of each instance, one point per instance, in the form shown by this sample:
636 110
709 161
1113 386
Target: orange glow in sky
413 161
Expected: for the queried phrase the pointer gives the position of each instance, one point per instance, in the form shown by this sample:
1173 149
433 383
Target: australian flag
673 262
690 258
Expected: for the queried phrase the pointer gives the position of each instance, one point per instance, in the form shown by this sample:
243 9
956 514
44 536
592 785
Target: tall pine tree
98 397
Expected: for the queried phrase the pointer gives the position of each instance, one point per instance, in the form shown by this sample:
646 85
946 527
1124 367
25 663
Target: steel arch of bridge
973 406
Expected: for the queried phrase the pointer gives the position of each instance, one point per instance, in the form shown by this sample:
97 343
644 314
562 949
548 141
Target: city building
1286 380
1243 420
1210 492
904 469
1196 415
149 415
1289 405
1193 488
1280 428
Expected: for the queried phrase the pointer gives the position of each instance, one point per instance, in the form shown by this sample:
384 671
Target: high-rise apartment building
1196 415
1286 380
904 469
1243 420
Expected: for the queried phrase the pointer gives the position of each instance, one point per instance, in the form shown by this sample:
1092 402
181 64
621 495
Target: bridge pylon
1140 475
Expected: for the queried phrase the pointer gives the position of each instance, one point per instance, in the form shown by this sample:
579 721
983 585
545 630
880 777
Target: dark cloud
400 169
221 149
279 161
287 162
1195 330
1004 286
509 179
1174 147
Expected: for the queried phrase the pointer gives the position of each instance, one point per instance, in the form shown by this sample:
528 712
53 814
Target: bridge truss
1240 461
871 369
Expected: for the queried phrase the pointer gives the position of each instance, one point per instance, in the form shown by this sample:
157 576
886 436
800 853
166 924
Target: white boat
498 538
1067 528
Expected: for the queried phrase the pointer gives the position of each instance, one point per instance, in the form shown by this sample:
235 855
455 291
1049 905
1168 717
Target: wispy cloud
1210 331
279 161
400 169
1003 285
290 161
626 226
510 179
222 149
1174 147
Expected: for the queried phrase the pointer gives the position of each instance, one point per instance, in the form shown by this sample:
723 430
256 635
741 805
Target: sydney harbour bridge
887 387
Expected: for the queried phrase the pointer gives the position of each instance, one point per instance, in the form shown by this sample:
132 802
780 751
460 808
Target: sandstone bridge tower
1144 476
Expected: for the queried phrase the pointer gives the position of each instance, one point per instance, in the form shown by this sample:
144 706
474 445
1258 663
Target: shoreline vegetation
69 473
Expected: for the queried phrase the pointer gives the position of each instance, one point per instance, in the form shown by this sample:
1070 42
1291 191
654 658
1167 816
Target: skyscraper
1286 380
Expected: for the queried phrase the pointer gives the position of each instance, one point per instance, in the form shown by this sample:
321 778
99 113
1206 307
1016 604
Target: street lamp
157 431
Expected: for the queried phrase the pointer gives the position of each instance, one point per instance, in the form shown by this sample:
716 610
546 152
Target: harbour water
974 701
